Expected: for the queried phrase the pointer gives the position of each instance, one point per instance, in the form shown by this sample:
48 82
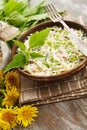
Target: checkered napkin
44 93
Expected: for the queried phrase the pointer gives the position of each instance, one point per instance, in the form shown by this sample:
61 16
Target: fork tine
55 11
50 12
54 15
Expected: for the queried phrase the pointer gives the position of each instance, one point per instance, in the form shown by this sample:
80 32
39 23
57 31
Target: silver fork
55 17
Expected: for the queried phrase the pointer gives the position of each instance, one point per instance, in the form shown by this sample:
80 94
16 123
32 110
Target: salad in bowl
46 53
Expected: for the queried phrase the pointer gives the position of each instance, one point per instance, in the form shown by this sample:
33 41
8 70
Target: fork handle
65 25
78 43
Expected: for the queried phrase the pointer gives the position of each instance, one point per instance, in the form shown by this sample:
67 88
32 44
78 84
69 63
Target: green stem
3 91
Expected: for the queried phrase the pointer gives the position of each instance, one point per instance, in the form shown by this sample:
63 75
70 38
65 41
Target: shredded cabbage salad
58 54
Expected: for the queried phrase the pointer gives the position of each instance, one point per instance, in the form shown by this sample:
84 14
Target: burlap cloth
44 93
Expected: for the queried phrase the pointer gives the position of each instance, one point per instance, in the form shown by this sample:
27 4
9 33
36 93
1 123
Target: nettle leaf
37 17
37 39
33 10
16 19
13 5
36 55
18 61
20 45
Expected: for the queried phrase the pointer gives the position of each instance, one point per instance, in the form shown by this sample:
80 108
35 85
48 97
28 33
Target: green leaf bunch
21 15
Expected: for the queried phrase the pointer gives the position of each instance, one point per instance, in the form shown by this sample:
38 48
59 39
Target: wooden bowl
59 77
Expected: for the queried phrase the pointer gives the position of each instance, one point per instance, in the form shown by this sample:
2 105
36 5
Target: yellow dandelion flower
26 115
11 97
1 75
8 115
12 79
4 125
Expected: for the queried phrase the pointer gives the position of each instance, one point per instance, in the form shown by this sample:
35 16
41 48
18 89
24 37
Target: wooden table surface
67 115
